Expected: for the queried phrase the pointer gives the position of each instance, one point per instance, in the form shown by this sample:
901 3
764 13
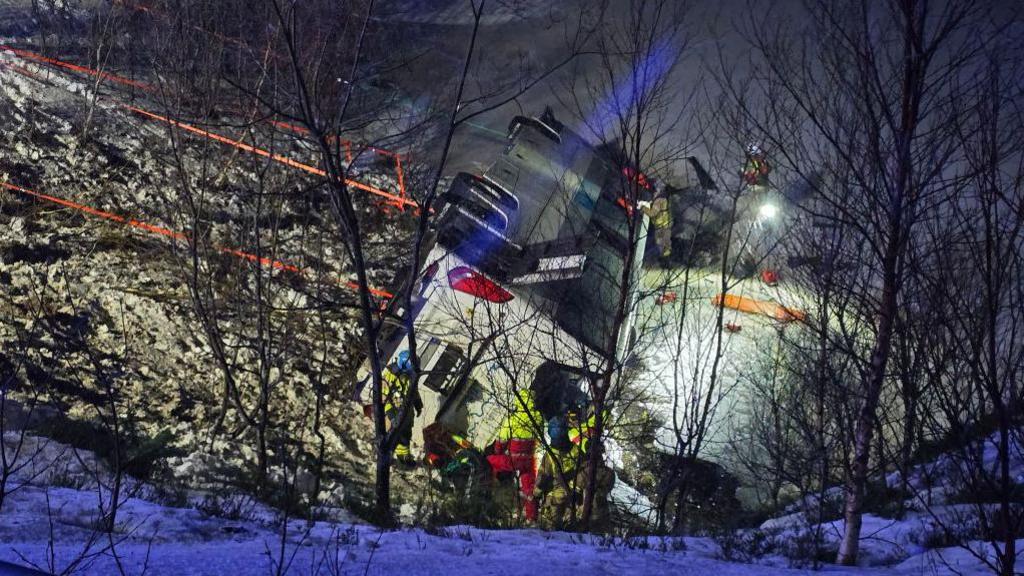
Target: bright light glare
769 211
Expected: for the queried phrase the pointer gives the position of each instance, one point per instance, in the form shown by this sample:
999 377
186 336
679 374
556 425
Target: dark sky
537 27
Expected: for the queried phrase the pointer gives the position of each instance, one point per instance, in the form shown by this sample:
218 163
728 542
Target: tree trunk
858 476
909 433
1006 512
382 487
595 456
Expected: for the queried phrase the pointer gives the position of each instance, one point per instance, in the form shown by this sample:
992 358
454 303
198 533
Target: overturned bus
521 283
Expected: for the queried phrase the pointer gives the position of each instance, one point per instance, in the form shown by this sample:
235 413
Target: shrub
745 545
142 457
170 494
228 506
882 500
986 492
669 544
460 532
955 533
809 548
64 478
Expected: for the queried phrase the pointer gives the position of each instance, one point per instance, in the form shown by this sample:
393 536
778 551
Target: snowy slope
182 541
176 541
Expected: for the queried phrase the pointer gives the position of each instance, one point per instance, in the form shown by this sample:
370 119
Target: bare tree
705 357
628 106
977 279
865 100
251 252
17 455
326 113
105 29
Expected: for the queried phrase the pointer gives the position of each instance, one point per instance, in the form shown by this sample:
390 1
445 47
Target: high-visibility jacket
524 422
558 468
756 171
580 433
394 388
660 215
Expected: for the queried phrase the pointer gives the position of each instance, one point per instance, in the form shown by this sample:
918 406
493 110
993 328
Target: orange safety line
267 154
400 201
67 65
401 175
161 231
96 212
285 125
331 138
113 77
289 126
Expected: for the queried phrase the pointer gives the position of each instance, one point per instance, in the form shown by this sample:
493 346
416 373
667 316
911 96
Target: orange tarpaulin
762 307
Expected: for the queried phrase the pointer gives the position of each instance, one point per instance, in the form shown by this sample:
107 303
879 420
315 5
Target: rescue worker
556 487
464 478
756 170
515 447
660 213
604 480
396 378
580 432
556 480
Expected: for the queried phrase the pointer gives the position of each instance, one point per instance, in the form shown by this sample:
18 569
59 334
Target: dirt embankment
96 302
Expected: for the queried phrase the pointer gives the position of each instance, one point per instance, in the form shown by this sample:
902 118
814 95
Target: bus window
445 374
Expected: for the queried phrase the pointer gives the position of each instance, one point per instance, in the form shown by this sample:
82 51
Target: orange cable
161 231
267 154
67 65
401 201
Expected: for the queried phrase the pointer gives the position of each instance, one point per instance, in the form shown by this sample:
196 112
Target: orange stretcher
761 307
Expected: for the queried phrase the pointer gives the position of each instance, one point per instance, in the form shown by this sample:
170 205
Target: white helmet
754 149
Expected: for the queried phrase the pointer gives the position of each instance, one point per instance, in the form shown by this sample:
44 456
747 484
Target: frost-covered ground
178 541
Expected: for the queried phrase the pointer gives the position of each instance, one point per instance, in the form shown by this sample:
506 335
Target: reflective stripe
580 434
393 388
461 442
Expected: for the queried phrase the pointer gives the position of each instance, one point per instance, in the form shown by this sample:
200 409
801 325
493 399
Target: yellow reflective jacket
660 215
580 433
558 468
524 422
393 388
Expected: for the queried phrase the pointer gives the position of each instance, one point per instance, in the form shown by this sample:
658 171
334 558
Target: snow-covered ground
49 521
